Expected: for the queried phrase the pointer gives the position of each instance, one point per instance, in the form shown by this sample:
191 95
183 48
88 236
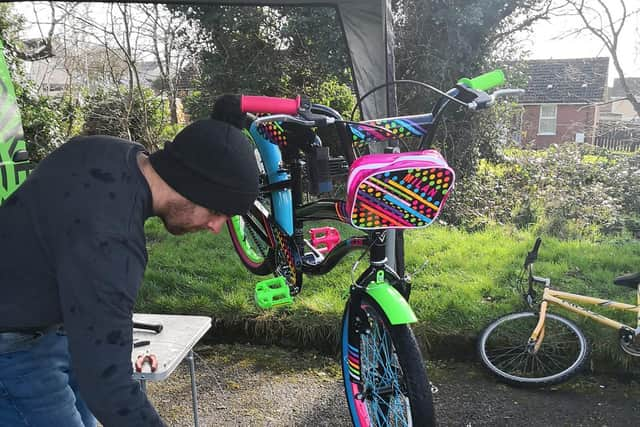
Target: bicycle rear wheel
505 350
384 375
250 238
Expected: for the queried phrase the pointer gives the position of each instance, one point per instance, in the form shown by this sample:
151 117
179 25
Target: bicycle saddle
629 280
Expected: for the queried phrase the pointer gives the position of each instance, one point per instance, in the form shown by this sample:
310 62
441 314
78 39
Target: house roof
581 80
632 82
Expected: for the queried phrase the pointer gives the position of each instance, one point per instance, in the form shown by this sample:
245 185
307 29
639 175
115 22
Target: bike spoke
522 360
384 397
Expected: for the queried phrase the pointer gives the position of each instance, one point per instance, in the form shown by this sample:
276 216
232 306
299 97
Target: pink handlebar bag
398 190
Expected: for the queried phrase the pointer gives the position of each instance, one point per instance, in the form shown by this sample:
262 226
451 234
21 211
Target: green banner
14 164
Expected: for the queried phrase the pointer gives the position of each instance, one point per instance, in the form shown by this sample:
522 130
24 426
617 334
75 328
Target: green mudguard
14 162
392 303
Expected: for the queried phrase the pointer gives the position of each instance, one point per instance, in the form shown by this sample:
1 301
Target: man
73 254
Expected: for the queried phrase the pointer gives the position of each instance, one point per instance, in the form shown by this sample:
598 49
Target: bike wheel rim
249 254
515 356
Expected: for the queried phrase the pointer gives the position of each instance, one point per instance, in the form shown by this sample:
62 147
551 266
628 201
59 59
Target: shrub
568 191
118 113
42 122
169 132
334 94
198 105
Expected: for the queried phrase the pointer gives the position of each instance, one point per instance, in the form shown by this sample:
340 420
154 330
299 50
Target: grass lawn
469 279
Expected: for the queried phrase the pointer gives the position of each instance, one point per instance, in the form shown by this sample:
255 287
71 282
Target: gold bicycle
540 348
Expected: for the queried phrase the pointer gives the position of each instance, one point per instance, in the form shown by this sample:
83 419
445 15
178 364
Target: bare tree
126 37
48 18
166 30
34 50
606 21
117 33
522 19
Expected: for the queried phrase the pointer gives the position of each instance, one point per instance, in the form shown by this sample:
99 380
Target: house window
548 115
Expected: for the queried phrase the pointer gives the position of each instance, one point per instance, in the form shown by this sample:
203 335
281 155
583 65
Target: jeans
37 386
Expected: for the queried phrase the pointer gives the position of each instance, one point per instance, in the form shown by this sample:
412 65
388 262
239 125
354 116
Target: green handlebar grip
484 81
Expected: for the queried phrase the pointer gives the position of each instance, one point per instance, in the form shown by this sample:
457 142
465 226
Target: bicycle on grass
539 348
384 376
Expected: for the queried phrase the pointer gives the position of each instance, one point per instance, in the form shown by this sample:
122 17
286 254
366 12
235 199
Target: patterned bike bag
399 190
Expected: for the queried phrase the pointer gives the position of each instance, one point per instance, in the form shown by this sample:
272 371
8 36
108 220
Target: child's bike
384 375
537 348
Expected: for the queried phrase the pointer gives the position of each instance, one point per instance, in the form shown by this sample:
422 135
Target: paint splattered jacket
72 250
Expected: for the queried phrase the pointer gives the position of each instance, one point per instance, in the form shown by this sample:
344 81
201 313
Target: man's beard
174 218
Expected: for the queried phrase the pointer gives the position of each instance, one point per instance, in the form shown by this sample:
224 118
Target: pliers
142 358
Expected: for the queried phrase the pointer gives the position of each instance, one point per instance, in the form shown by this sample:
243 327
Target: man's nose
216 224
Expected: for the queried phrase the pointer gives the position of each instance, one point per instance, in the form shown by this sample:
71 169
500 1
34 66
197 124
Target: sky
549 40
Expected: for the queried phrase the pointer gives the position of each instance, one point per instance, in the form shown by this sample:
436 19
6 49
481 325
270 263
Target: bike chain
259 242
285 264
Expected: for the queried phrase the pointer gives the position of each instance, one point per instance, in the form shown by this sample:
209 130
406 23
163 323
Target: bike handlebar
485 100
269 104
484 81
298 110
291 119
292 106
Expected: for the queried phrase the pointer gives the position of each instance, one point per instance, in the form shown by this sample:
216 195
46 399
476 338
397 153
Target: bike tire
384 375
252 248
503 350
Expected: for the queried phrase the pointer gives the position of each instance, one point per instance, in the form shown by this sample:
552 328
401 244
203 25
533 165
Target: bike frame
284 184
562 299
357 135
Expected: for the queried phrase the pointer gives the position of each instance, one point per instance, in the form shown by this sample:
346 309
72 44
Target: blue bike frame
281 200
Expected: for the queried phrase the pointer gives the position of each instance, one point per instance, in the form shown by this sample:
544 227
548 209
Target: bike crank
630 342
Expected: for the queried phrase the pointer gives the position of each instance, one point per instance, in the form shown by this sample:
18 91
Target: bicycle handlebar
276 106
469 93
269 104
485 101
484 81
291 119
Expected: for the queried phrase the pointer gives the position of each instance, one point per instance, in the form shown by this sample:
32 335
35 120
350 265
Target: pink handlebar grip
269 104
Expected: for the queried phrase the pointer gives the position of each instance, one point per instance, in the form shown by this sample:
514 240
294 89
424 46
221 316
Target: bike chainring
630 342
288 261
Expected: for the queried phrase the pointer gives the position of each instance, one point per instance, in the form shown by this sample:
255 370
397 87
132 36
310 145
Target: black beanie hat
212 164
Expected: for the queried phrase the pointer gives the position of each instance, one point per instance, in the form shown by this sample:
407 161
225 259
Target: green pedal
273 293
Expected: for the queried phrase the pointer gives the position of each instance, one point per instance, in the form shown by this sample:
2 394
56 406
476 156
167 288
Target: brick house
560 103
619 108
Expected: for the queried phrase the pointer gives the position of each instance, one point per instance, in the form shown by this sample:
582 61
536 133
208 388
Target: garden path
246 385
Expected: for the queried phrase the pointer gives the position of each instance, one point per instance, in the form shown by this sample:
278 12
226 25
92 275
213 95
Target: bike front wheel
505 350
384 374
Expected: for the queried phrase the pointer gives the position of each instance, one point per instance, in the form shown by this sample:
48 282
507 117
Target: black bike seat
629 280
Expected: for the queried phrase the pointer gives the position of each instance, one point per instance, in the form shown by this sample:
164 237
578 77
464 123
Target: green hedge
569 191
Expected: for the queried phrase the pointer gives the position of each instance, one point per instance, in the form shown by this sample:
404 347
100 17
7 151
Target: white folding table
172 345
